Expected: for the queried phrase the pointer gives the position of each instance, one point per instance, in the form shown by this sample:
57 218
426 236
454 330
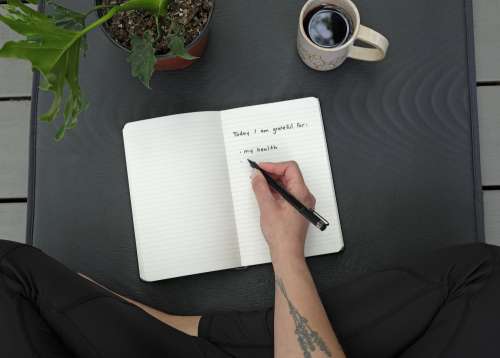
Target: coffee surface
327 26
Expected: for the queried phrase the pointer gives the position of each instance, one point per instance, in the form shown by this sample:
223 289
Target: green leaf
177 48
142 57
68 19
54 52
53 44
44 84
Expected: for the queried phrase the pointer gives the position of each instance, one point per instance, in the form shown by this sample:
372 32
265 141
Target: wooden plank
13 222
14 133
487 39
489 133
492 216
15 76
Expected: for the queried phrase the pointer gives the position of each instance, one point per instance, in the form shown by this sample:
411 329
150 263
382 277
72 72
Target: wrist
284 260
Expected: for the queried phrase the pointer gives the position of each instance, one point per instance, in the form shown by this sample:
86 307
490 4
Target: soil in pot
187 16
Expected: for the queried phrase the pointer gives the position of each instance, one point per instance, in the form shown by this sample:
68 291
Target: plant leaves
142 57
53 43
76 102
68 19
54 52
177 48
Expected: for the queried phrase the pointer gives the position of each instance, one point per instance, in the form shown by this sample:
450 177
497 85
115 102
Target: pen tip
252 163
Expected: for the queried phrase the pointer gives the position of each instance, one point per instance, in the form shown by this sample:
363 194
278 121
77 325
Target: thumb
262 191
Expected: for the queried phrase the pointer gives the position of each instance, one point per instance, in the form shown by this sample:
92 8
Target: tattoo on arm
308 339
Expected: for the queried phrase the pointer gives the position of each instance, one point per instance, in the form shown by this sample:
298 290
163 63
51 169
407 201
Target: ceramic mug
325 59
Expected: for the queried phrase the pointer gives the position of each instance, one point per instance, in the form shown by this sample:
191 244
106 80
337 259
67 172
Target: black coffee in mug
328 26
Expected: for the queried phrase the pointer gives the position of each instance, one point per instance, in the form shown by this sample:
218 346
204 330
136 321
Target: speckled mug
326 59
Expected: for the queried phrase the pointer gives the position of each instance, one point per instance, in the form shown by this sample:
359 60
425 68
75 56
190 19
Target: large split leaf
53 44
68 19
52 50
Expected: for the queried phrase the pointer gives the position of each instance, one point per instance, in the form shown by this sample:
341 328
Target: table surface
15 100
402 136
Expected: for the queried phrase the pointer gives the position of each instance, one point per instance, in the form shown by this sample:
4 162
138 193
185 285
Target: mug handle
373 38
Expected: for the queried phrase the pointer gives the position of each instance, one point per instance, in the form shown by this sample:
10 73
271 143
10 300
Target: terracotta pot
170 62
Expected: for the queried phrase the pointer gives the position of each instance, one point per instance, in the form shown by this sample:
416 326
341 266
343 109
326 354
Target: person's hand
282 225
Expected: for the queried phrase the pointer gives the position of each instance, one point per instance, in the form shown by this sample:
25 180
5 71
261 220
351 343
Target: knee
473 266
495 250
477 251
480 251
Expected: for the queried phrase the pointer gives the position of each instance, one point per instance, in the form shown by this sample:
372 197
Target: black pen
311 215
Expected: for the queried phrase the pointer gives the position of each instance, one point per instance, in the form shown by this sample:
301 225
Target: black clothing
445 304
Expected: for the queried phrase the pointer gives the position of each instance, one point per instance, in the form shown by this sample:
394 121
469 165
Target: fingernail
253 173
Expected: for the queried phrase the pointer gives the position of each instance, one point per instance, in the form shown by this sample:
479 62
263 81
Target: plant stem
101 20
171 27
129 5
103 6
158 28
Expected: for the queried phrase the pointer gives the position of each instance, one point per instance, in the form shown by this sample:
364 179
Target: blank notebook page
180 196
279 132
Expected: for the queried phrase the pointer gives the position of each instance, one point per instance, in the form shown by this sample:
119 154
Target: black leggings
445 304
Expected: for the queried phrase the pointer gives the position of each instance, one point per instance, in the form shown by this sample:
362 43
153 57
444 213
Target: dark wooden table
402 136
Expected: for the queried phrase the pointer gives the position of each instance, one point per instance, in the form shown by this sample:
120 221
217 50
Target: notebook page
180 196
289 130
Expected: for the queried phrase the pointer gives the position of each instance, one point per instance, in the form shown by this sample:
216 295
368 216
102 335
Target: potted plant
179 38
157 34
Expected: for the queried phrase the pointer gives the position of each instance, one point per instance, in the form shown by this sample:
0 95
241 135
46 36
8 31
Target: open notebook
192 202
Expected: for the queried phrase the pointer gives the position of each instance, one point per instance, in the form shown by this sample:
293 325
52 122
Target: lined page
289 130
179 191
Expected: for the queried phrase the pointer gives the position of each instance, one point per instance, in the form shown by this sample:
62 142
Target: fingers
280 168
265 199
289 172
311 201
290 176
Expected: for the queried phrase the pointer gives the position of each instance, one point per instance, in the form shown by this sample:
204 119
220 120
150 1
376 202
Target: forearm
301 326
